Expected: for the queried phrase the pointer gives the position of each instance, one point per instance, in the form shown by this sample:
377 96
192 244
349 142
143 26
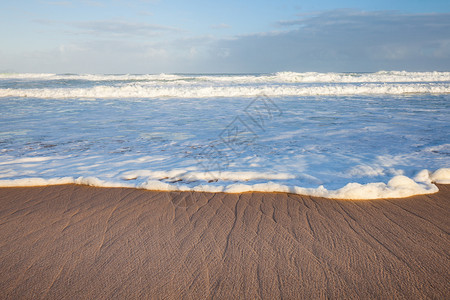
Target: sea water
338 135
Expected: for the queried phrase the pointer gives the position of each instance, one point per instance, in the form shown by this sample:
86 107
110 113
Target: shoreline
67 241
397 187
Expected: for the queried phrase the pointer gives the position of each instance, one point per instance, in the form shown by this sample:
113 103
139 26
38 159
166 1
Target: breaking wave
191 91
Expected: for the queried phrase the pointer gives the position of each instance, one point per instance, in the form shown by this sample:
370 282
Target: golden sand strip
76 242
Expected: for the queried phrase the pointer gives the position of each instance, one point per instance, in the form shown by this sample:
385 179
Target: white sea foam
441 176
191 176
144 91
36 181
398 187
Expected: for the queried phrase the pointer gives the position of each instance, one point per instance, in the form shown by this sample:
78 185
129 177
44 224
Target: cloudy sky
174 36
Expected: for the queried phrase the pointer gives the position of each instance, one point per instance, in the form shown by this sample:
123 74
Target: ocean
336 135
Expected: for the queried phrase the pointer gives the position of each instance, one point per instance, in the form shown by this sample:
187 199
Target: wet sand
80 242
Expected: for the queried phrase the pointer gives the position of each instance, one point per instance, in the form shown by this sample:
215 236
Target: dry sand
79 242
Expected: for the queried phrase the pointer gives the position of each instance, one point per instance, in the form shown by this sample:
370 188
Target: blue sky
154 36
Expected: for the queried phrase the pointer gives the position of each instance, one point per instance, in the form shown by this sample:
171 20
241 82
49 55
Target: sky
199 36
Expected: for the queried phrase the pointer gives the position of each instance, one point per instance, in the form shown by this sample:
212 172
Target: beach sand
73 241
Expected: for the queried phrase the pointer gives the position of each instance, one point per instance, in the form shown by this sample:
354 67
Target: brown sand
83 242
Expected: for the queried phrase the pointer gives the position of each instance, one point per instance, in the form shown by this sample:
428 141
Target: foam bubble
441 176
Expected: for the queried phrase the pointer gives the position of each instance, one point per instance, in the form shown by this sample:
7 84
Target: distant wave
280 77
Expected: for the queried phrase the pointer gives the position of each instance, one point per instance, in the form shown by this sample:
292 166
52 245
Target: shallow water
248 137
